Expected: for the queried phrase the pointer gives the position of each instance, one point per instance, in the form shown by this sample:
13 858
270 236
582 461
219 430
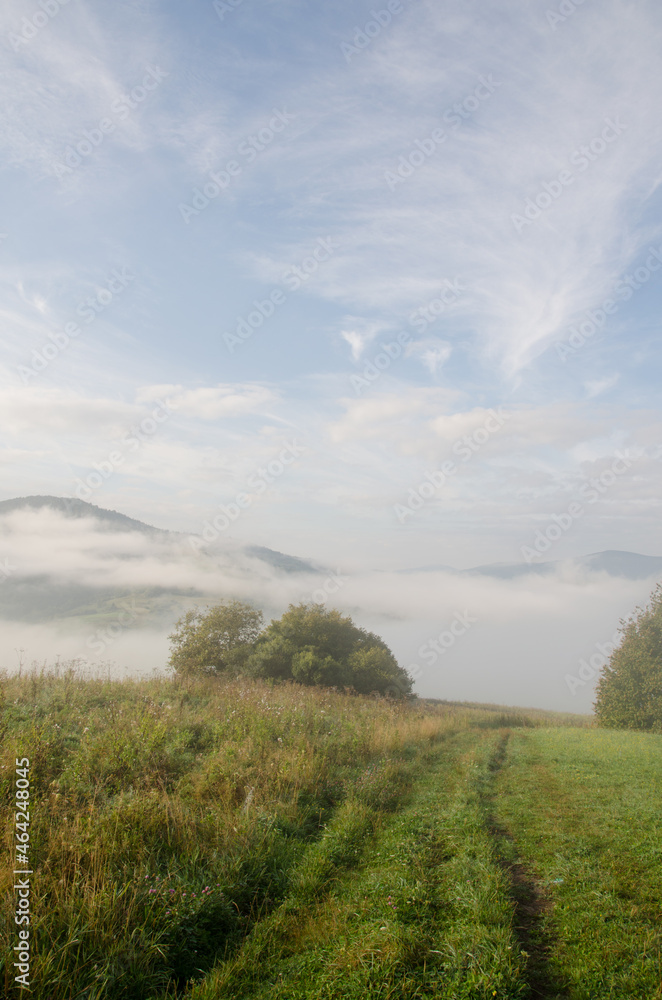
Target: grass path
581 813
512 870
531 902
411 905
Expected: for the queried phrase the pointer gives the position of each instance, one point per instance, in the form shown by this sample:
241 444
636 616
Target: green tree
215 640
313 645
629 691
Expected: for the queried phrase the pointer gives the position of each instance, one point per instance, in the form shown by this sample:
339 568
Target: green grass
418 906
585 811
205 840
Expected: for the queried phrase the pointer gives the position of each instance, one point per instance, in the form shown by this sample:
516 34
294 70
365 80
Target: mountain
55 596
630 565
72 507
614 562
280 561
161 575
114 521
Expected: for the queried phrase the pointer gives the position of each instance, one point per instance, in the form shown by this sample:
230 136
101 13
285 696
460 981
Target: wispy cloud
595 387
455 213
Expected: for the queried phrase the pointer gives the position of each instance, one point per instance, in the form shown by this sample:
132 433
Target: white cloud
213 402
595 387
359 334
433 352
356 342
35 409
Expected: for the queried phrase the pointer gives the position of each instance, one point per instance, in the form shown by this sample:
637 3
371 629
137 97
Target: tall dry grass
167 815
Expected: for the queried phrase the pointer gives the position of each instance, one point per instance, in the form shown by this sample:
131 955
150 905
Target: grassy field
202 840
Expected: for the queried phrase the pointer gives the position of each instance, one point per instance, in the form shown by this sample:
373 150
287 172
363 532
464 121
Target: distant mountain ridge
281 561
73 507
113 520
615 562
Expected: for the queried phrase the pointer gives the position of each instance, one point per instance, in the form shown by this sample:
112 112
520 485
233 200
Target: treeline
309 644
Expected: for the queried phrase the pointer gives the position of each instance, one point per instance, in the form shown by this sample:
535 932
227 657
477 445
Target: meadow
206 838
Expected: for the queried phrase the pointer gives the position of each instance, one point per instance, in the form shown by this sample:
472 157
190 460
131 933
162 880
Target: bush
309 644
313 645
629 691
217 641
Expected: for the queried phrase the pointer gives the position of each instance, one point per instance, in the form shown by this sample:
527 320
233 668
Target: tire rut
530 903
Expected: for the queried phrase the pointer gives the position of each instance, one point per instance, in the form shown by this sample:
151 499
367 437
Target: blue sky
392 162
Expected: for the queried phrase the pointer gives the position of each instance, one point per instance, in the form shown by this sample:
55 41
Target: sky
372 284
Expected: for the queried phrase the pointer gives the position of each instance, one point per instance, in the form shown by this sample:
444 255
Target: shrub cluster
309 644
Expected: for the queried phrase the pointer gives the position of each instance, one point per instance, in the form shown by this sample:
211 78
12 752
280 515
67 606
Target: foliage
315 645
216 641
629 692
